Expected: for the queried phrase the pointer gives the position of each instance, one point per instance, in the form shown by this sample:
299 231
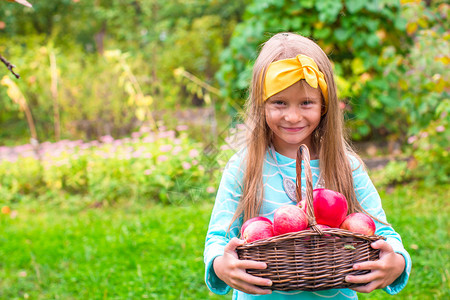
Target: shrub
165 167
421 80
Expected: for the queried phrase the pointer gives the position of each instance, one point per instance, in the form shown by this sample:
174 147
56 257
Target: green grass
126 252
132 251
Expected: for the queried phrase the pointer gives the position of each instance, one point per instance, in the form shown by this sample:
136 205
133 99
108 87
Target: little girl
293 101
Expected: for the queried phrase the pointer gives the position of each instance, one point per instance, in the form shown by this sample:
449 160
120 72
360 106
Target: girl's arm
222 268
391 271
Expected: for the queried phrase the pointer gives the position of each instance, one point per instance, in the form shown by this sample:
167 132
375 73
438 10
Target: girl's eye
307 102
278 102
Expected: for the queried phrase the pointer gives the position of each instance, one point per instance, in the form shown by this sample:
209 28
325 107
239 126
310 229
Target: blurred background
113 138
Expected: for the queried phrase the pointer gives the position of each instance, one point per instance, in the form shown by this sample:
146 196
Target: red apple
302 204
249 221
330 207
289 218
359 222
257 230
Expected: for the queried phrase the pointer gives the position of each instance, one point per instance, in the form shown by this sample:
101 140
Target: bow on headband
284 73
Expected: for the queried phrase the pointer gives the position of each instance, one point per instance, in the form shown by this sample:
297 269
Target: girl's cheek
280 110
273 113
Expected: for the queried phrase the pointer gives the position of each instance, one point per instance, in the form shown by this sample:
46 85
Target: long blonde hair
328 140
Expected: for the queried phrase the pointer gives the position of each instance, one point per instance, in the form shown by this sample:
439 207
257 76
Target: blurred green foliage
390 61
154 38
115 64
421 81
165 167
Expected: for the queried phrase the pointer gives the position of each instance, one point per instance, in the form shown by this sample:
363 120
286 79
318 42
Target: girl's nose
293 115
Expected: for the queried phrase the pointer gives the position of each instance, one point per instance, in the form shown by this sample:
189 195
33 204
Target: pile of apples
330 210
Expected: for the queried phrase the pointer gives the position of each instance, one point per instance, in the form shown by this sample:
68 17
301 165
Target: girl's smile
293 129
292 115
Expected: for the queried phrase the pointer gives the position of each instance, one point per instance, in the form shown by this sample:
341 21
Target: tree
4 60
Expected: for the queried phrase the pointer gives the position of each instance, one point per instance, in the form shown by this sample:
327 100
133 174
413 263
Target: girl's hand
232 270
383 271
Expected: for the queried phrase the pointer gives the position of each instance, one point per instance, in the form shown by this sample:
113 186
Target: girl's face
292 115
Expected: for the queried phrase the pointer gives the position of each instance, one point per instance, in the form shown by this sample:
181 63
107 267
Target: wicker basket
310 260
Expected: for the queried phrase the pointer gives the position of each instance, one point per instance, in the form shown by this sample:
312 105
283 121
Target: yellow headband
284 73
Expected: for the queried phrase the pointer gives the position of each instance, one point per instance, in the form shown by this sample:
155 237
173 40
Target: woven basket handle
303 154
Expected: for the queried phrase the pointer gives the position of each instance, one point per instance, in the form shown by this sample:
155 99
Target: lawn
137 251
121 252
